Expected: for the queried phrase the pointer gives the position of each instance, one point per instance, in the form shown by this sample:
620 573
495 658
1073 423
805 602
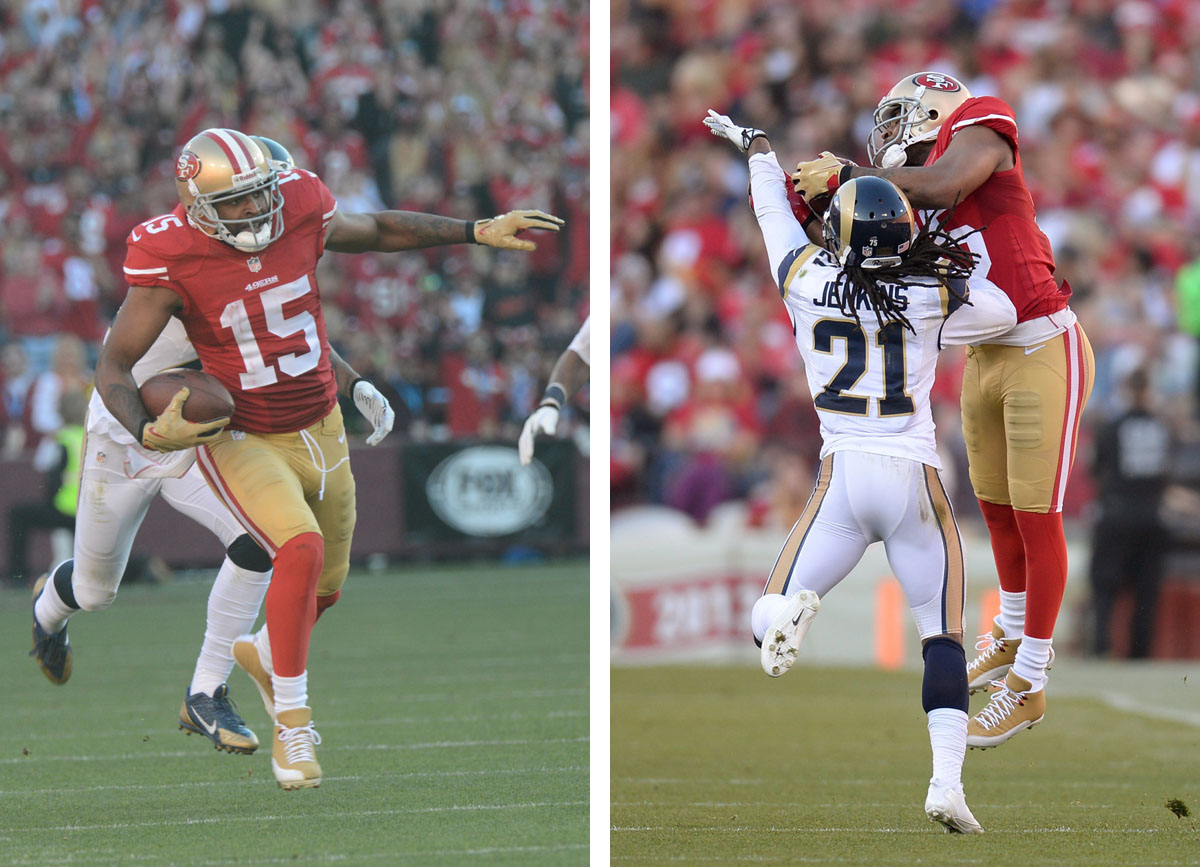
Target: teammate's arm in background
570 372
367 398
393 231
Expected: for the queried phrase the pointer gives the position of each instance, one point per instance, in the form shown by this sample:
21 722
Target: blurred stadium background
714 439
458 108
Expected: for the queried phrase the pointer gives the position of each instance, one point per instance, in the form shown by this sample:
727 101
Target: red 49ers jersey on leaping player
254 318
1015 254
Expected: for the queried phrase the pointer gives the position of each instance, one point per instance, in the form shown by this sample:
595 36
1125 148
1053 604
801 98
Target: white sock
948 738
1012 613
291 693
1032 658
51 612
262 643
766 610
233 605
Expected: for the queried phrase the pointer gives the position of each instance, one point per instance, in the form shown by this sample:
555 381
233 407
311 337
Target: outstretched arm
393 231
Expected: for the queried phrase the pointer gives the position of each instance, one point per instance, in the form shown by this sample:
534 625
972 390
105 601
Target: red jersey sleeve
309 202
987 111
154 252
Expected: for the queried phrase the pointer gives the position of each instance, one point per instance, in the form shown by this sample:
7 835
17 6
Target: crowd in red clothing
449 106
1106 96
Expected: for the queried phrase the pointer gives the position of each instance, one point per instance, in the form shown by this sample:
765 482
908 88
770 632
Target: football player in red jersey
236 262
1023 393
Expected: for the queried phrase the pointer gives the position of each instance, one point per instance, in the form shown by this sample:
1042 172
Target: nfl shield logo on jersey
254 264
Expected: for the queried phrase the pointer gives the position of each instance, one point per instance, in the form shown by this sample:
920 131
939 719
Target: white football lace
298 743
983 642
1003 702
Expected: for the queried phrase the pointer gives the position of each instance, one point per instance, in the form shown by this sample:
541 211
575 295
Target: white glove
740 136
543 420
375 409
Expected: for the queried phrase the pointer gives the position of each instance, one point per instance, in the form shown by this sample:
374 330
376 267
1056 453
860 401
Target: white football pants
860 498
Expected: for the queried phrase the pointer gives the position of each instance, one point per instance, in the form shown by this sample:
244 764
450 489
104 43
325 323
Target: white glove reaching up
722 127
543 420
375 409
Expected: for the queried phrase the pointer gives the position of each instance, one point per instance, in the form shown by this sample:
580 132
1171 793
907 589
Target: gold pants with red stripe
1020 416
861 498
282 485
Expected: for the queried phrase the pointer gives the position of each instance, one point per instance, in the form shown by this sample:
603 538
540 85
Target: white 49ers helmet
911 112
219 165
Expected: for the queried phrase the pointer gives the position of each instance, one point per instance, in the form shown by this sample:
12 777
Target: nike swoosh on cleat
1029 350
211 729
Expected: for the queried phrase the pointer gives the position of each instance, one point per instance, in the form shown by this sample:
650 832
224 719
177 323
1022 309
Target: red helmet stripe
237 155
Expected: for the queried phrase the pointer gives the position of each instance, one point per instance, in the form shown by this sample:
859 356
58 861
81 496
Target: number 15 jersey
254 319
870 383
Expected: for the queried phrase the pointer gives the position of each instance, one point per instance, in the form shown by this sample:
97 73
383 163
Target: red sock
324 602
1008 548
1046 575
292 601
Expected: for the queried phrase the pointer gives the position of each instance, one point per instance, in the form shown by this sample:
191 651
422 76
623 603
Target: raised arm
393 231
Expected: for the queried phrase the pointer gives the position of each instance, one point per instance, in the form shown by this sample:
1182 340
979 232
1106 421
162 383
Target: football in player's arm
235 262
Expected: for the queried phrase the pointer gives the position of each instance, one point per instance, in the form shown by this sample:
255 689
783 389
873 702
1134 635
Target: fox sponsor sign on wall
481 491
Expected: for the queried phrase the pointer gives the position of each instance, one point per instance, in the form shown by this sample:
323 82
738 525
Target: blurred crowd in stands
708 400
454 107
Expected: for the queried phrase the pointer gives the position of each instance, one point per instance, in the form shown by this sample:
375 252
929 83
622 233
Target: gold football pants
1020 415
282 485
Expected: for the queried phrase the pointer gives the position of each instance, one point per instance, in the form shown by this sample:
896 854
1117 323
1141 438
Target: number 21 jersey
254 319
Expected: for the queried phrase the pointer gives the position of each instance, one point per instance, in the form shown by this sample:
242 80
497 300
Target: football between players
870 309
1023 392
235 263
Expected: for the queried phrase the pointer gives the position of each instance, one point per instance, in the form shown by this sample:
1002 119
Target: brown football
207 400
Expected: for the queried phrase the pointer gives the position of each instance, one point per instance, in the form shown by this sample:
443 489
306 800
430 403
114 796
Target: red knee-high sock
1008 548
1046 570
325 602
292 601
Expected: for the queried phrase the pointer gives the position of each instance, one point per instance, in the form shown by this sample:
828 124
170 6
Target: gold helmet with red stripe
912 112
221 165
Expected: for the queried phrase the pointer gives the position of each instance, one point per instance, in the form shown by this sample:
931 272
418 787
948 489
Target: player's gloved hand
171 432
502 231
544 419
740 136
814 178
375 409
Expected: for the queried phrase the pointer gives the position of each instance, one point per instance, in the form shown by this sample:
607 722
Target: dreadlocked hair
935 254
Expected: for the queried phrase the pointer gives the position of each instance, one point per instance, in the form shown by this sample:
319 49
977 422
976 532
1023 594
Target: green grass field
452 703
723 765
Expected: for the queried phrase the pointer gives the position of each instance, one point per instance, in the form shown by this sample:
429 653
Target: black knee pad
62 582
248 554
945 682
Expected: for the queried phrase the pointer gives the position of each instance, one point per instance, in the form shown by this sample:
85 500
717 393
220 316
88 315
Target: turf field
724 765
452 703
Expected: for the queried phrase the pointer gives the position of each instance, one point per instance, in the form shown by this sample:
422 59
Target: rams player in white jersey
870 310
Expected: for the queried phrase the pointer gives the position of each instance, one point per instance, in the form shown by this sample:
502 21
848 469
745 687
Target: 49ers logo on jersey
187 167
937 81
